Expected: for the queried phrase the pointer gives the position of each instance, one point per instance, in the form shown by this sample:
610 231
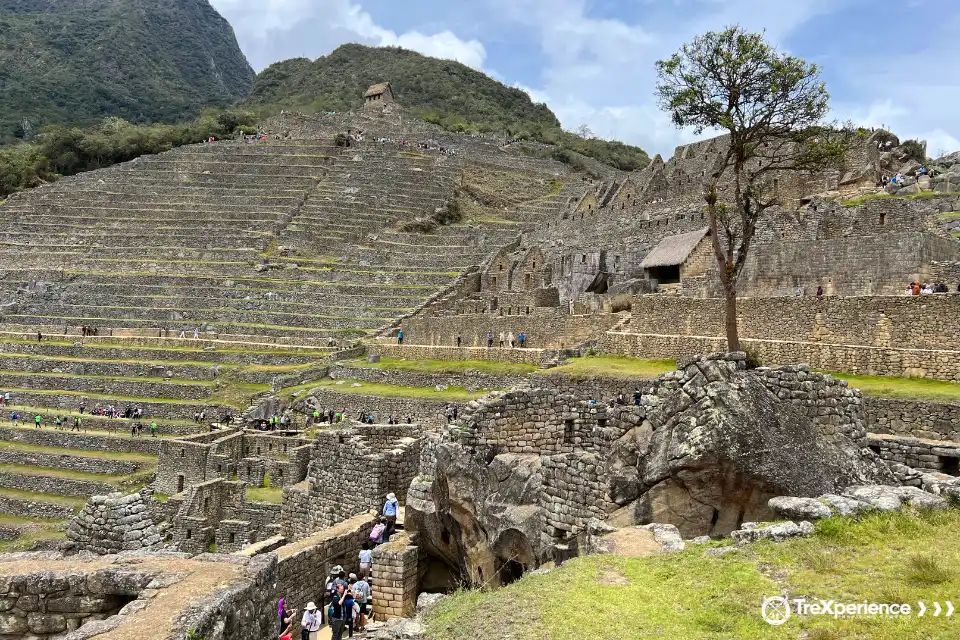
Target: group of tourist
505 339
347 599
918 289
332 416
59 422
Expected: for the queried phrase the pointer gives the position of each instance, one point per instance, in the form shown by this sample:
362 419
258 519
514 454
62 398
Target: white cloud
264 26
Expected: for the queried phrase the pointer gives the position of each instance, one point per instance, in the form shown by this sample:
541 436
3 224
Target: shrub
753 359
913 150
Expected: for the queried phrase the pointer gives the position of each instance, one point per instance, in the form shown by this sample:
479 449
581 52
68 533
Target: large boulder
480 513
723 444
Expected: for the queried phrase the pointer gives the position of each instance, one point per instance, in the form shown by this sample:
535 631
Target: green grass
36 496
951 215
66 474
614 367
446 366
452 394
883 558
143 459
903 388
923 195
50 530
273 495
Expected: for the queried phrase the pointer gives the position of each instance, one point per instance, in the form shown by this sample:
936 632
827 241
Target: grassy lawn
924 195
265 494
951 215
452 394
614 367
446 366
884 558
145 460
50 530
903 388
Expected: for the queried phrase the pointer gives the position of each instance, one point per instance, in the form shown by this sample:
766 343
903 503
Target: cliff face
73 62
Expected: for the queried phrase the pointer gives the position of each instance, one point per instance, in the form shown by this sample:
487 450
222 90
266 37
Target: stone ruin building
291 258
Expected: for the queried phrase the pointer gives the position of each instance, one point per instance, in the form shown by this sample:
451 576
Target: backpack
377 531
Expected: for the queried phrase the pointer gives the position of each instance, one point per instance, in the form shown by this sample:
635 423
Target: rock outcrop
517 482
114 523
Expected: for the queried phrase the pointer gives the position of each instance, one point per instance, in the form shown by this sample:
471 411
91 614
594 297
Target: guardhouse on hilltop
378 95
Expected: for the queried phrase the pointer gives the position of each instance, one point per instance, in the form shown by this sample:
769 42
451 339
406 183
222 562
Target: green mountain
445 92
428 86
74 62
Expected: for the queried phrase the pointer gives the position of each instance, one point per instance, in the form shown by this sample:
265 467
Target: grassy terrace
33 530
903 388
883 558
446 366
273 495
141 458
614 367
50 498
925 195
452 394
292 351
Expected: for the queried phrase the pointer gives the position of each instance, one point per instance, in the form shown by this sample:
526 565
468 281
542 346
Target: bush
340 140
913 150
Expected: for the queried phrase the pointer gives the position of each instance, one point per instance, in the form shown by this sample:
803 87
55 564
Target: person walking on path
335 613
489 339
37 419
400 336
366 560
153 429
309 623
390 513
501 339
510 339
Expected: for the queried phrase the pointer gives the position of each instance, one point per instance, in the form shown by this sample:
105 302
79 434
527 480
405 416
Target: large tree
772 106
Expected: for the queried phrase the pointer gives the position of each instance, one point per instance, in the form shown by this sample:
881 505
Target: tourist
310 623
335 615
59 423
376 534
620 399
361 594
799 291
349 609
511 339
196 334
316 416
459 340
916 288
819 291
153 429
449 414
14 417
490 338
523 339
366 560
283 614
287 632
39 337
400 336
926 290
502 337
637 396
183 334
390 513
37 420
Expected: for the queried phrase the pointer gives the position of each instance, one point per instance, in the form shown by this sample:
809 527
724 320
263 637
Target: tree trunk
730 313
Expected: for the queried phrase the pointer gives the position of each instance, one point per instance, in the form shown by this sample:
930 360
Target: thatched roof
674 250
378 89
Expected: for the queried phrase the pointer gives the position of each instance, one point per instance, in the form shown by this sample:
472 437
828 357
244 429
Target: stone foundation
396 575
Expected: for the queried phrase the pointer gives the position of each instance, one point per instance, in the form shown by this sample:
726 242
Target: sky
885 62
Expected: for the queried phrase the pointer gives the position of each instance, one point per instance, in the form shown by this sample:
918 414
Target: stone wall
904 322
353 469
53 484
25 508
925 455
305 565
419 410
424 352
545 329
68 462
113 523
470 380
66 440
396 575
913 418
857 359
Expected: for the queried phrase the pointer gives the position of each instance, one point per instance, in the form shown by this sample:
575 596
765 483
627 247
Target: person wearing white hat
390 514
310 623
